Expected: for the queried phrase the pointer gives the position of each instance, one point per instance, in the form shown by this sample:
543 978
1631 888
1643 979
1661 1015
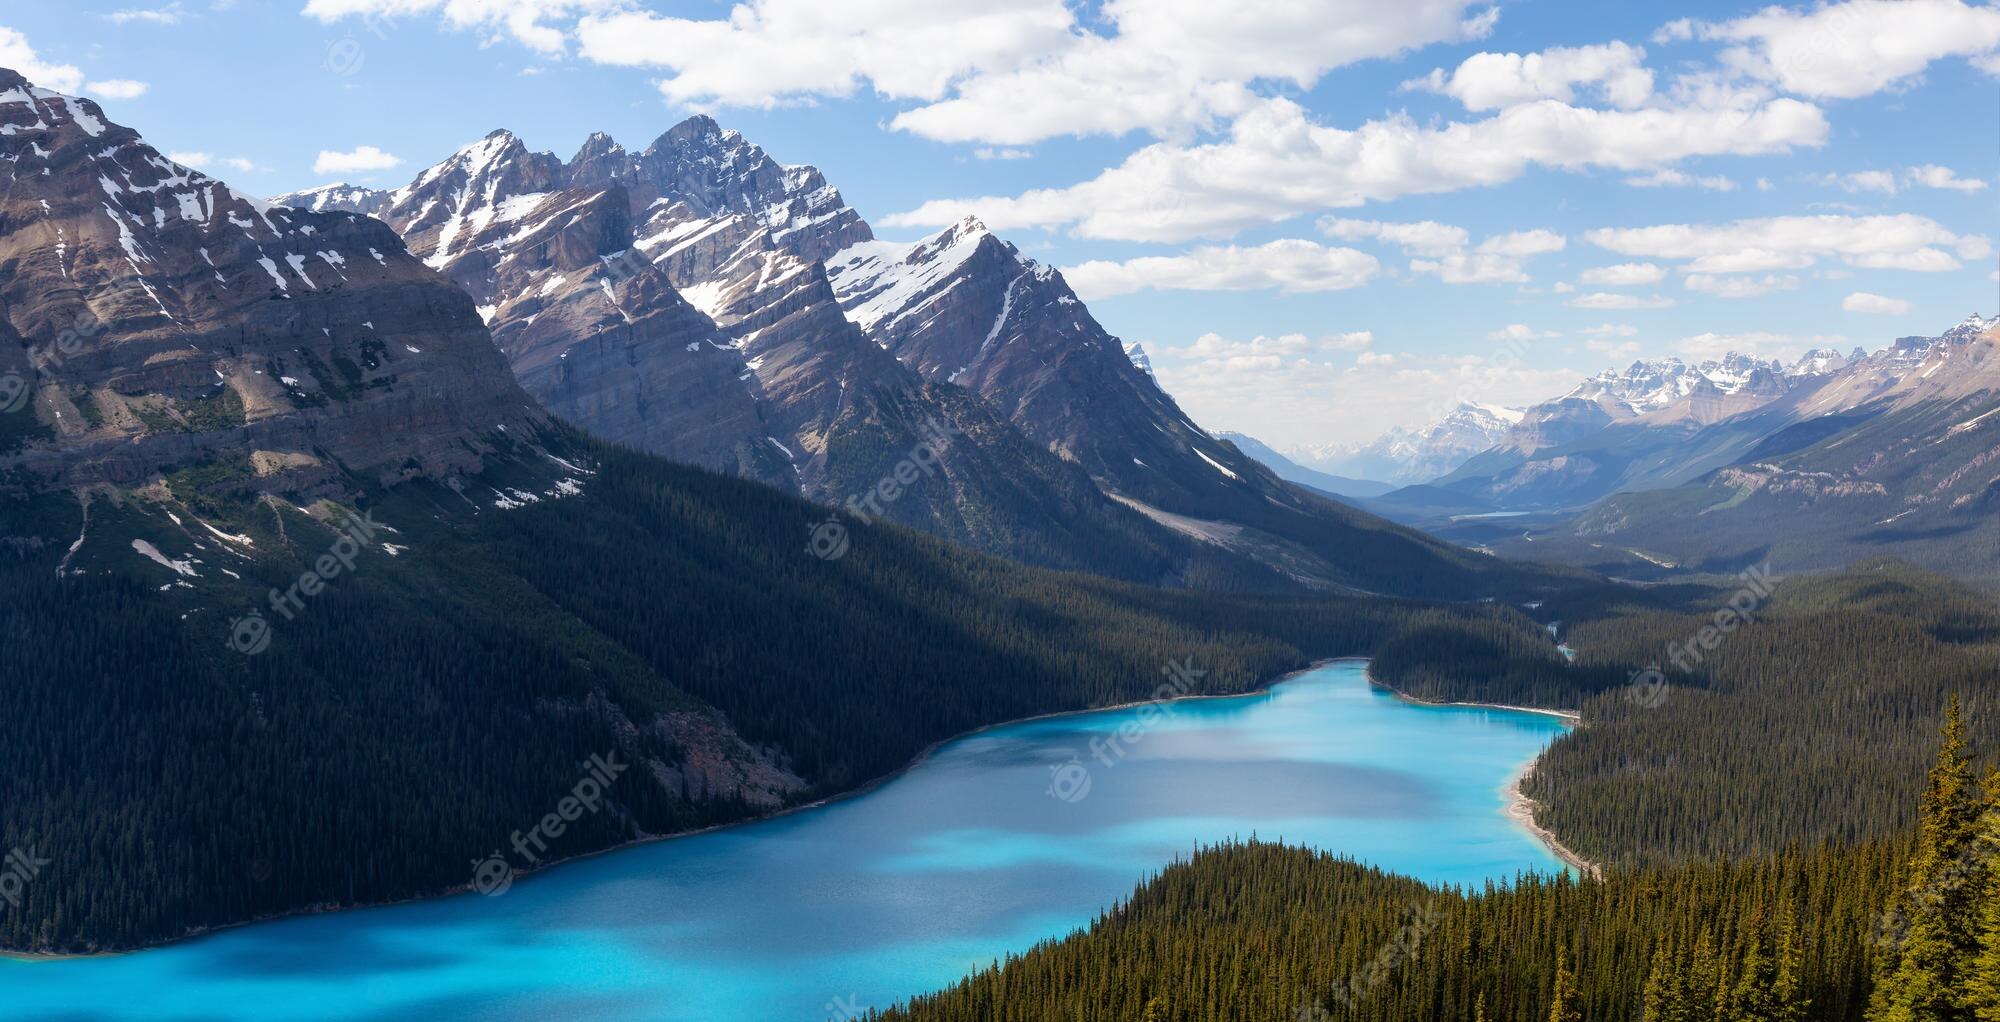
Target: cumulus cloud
1423 238
1492 81
1933 176
18 55
540 25
170 14
1289 265
1277 163
1889 183
208 161
1852 49
1903 241
1014 72
1862 301
1444 252
361 160
1623 275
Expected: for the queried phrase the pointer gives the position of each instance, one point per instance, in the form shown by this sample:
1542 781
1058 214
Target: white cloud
526 21
363 159
1858 181
1493 81
1852 49
167 15
1862 301
1623 275
1289 265
1424 238
1740 286
1889 183
1933 176
1607 300
989 153
1498 259
117 88
1616 349
1216 346
207 161
1670 178
16 54
1317 398
1610 330
1902 241
1014 72
1278 164
1520 332
1756 343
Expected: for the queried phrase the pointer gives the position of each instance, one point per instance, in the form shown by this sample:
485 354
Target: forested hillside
444 693
1903 928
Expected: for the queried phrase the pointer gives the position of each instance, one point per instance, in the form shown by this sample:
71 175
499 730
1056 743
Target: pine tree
1791 1003
1563 1005
1754 997
1981 994
1665 1001
1918 969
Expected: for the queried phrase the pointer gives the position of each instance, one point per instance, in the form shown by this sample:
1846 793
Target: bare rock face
157 317
675 299
965 307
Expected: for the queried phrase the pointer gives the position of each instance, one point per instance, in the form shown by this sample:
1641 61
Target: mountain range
699 300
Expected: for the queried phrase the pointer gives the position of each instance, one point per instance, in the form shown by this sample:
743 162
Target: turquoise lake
998 840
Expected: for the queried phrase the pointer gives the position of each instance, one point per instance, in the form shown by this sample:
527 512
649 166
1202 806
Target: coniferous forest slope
1905 928
415 711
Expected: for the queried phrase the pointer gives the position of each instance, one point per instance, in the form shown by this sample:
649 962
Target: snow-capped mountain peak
1137 353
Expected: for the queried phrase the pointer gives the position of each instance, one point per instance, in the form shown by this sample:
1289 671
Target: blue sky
1322 220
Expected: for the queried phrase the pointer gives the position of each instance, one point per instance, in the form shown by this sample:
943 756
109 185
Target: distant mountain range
1286 468
1403 455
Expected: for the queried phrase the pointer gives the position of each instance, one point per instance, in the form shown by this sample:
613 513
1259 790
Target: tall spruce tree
1930 934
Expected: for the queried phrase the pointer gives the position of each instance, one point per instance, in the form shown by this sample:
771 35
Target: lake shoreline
918 760
1518 806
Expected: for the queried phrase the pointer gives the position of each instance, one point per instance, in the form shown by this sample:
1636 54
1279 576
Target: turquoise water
997 841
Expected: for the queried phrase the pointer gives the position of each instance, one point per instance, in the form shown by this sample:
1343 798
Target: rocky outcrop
158 317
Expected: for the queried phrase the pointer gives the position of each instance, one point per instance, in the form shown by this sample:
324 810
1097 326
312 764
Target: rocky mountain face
155 318
676 299
853 354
